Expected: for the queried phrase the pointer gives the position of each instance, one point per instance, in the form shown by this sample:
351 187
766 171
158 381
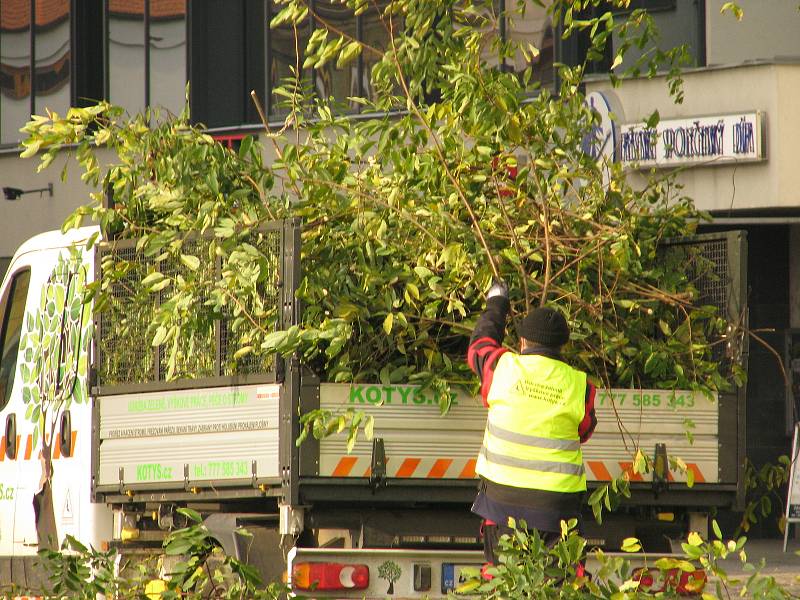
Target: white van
40 290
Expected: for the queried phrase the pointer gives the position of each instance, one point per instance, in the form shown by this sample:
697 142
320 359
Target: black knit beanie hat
545 326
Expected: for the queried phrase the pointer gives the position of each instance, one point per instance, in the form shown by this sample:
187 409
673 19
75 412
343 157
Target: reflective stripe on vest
531 439
533 465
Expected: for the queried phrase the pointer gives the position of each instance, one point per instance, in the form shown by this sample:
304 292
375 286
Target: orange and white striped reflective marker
416 467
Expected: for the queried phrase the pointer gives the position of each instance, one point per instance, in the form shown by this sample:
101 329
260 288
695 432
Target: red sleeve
482 358
589 422
485 344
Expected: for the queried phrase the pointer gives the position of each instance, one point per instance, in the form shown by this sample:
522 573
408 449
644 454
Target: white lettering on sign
188 428
697 140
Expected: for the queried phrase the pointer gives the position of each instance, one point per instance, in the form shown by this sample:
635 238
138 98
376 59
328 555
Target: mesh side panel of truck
268 244
199 361
125 355
712 267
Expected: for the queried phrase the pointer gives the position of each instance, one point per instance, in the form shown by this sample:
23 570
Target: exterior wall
35 213
773 183
768 31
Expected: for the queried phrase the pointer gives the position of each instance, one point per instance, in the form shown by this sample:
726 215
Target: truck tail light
329 576
692 584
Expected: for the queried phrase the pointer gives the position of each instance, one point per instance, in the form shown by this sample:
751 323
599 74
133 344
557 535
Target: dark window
52 57
56 66
651 5
282 56
12 309
227 60
16 60
234 50
126 56
146 54
374 31
332 82
534 27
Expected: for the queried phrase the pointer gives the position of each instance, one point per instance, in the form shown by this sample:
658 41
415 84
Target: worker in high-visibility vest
540 412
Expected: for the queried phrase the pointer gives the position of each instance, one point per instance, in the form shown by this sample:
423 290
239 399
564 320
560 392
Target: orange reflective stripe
57 447
439 468
345 465
599 470
408 467
468 472
627 469
698 476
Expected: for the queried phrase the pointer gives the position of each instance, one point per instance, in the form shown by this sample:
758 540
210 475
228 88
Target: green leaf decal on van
57 342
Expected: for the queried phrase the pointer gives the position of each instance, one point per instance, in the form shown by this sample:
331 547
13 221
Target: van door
12 409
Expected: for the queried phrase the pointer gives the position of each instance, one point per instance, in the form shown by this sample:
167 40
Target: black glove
499 288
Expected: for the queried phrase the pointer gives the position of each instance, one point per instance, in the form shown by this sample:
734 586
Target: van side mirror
65 435
11 436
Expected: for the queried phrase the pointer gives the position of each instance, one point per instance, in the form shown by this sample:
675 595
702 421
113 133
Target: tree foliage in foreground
527 568
467 172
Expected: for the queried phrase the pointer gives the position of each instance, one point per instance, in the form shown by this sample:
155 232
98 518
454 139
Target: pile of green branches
467 172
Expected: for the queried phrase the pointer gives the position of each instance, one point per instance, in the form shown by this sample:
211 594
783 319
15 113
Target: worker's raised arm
485 345
589 422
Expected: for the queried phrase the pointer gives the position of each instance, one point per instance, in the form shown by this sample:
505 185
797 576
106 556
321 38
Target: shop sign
706 141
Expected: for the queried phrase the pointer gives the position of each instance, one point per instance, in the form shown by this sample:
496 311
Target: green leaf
717 530
243 351
190 514
653 120
694 539
387 323
192 262
631 544
734 8
152 278
157 287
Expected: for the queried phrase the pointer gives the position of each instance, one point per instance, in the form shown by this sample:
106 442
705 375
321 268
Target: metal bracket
121 476
291 520
660 469
377 476
253 472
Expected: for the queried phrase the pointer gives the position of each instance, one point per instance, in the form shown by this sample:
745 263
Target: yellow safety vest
531 440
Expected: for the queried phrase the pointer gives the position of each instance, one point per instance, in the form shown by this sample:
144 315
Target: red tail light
329 576
685 583
692 583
